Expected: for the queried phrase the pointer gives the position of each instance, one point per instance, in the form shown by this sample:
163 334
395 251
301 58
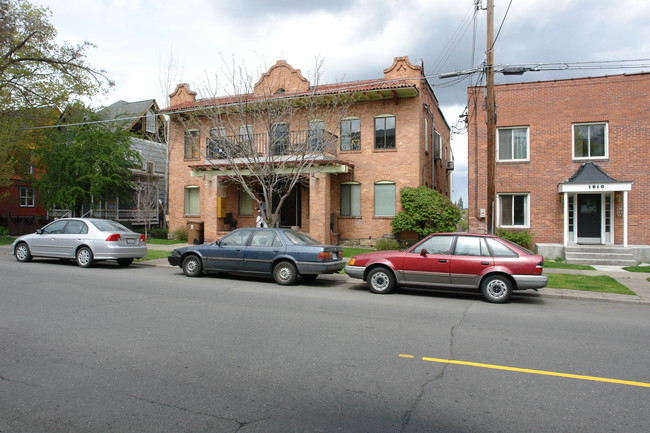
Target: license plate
130 241
335 256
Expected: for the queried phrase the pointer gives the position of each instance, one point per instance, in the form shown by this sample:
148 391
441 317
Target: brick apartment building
391 135
572 162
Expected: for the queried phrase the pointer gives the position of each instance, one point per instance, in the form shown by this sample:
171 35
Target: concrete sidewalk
635 281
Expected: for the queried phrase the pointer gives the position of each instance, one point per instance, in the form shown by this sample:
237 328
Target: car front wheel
192 266
285 273
381 280
496 289
22 253
85 257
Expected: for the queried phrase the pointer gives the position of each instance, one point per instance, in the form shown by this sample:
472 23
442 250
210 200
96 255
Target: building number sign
596 186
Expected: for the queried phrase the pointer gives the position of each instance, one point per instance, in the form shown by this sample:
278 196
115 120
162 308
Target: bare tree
250 141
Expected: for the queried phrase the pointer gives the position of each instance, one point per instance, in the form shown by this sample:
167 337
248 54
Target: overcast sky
357 39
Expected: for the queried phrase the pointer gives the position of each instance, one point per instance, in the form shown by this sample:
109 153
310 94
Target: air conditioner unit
450 165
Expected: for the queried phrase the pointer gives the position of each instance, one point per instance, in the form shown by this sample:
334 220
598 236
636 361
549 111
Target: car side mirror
39 231
423 252
218 242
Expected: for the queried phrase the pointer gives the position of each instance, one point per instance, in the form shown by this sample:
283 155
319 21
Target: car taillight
143 238
114 237
325 255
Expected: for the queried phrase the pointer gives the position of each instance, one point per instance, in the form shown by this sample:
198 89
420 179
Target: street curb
546 292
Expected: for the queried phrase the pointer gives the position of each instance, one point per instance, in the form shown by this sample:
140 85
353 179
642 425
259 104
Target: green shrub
4 231
387 244
158 233
425 211
519 237
180 234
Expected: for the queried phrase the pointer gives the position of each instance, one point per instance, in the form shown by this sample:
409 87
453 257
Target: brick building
390 134
572 162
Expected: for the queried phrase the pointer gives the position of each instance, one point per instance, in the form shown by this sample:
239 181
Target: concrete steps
599 255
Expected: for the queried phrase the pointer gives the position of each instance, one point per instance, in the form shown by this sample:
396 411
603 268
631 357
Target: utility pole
491 120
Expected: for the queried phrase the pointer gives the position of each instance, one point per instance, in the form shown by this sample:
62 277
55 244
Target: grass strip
588 283
560 265
164 241
637 269
154 254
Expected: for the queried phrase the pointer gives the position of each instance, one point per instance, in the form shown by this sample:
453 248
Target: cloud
356 38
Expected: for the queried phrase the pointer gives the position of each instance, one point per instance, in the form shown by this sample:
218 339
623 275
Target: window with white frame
590 140
513 210
27 197
351 134
150 122
385 194
350 199
192 201
512 144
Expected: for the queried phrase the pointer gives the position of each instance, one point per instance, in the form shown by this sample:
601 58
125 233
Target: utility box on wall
221 207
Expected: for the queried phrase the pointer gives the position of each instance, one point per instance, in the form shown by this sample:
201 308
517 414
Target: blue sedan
282 253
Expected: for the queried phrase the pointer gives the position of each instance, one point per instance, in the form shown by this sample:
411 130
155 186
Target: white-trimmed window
385 132
351 199
512 144
192 201
27 197
245 203
385 195
590 141
513 210
150 122
351 134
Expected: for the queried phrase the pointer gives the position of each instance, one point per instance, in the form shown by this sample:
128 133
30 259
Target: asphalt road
146 349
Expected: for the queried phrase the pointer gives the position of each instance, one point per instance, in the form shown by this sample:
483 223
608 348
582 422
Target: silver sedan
86 240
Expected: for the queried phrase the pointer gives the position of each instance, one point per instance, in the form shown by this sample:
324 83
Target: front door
589 218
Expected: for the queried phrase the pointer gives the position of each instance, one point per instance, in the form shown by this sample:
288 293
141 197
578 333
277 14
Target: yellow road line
526 370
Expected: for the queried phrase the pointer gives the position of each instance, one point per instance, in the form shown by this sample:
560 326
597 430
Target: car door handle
276 251
485 263
442 261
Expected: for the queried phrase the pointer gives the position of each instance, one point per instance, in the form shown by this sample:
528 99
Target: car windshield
298 238
109 226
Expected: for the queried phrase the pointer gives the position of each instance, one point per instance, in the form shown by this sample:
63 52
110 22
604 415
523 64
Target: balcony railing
315 141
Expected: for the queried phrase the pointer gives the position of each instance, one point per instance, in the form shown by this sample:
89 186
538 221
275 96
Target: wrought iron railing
314 141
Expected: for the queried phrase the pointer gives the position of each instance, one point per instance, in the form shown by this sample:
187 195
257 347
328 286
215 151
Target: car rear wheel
124 262
285 273
192 266
496 289
85 258
381 280
22 253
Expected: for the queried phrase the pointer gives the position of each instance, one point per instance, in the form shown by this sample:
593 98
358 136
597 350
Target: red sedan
453 260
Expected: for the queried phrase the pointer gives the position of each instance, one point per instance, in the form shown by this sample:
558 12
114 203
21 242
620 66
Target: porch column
320 206
566 219
625 219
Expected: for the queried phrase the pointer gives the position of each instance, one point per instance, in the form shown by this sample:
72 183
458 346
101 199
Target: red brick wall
550 109
407 165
